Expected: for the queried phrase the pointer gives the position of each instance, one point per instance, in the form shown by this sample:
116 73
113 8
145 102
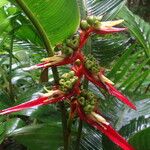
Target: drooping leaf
141 140
39 137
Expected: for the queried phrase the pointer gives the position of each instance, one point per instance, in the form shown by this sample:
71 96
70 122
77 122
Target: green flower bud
76 78
84 25
61 81
82 101
73 80
91 108
58 48
89 64
74 43
64 89
91 96
65 75
93 101
97 24
91 20
95 70
71 73
68 85
68 42
78 62
68 51
88 108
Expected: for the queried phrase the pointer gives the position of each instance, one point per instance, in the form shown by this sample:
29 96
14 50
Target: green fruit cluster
91 21
73 42
69 46
88 100
92 64
67 81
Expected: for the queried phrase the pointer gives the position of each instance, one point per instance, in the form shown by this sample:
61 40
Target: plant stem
63 112
49 50
79 135
10 66
37 25
85 86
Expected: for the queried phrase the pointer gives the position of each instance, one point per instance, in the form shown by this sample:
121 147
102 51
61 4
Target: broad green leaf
12 124
4 21
141 140
8 125
39 137
58 18
91 139
3 2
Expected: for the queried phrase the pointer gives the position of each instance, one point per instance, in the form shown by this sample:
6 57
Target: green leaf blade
58 18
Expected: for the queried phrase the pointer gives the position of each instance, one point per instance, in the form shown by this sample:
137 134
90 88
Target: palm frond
138 27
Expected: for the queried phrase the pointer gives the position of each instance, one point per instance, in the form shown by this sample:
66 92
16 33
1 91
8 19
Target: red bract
105 129
48 98
109 30
81 70
85 34
58 61
113 91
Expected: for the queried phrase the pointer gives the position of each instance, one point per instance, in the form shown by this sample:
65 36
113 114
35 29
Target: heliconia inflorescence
82 102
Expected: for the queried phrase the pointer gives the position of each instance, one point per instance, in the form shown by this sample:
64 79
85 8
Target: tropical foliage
29 30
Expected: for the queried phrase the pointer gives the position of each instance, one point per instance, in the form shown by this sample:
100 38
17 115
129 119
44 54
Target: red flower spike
47 98
109 87
113 91
105 129
60 61
43 100
35 102
114 136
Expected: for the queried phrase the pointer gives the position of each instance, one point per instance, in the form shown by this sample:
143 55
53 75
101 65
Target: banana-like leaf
40 137
58 19
141 140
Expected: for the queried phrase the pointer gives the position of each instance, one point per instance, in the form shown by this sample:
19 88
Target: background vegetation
125 55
